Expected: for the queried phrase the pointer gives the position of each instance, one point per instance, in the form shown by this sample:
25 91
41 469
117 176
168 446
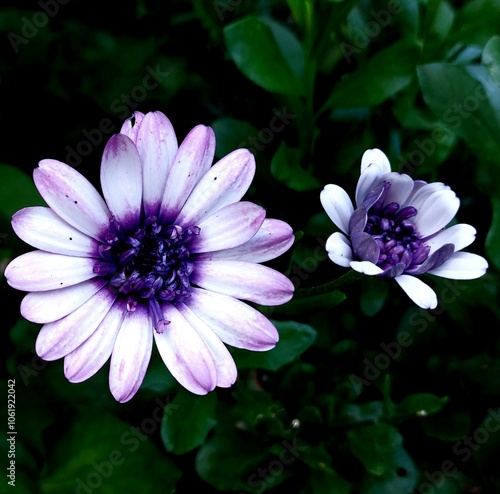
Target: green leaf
381 77
269 54
295 338
311 305
102 450
491 58
232 134
492 243
229 462
373 445
17 191
420 405
450 428
327 481
286 167
184 431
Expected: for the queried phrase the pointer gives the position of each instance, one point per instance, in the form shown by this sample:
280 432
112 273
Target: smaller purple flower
398 229
167 256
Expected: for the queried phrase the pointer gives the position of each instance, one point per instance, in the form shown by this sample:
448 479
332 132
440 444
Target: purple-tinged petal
365 247
51 305
185 353
40 271
433 261
230 226
394 271
375 197
57 339
121 180
131 125
357 221
371 175
462 266
233 321
244 280
131 354
436 212
339 249
189 165
157 145
42 228
338 206
366 267
423 295
273 239
92 354
226 182
72 197
401 187
417 185
224 362
461 236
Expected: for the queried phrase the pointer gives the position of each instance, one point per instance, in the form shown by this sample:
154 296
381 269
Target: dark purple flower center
152 264
385 235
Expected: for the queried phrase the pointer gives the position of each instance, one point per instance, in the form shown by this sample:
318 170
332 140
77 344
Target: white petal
366 267
423 295
185 353
371 175
191 162
131 125
233 321
243 280
57 339
225 183
42 228
421 193
339 249
121 180
376 156
157 144
337 205
400 189
462 266
273 239
231 226
461 236
72 197
436 212
51 305
40 271
131 354
224 362
92 354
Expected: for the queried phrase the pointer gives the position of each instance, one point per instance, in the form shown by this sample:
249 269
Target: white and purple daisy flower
398 229
168 255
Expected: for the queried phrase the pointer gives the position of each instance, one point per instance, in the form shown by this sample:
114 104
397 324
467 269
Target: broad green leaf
374 295
450 428
295 338
232 134
420 405
374 445
321 482
266 52
17 191
381 77
286 167
187 421
230 462
492 243
299 307
101 450
491 58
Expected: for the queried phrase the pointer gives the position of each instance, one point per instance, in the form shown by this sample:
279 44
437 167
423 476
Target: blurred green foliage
365 393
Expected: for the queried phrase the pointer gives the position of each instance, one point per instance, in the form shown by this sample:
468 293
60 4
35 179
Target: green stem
331 286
